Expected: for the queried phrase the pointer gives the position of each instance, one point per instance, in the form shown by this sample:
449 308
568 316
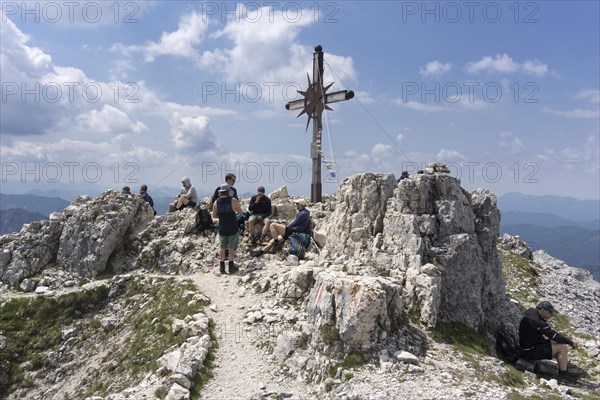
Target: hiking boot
566 377
256 253
222 268
233 268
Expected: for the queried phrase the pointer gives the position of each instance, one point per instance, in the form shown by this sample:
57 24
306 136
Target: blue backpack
296 245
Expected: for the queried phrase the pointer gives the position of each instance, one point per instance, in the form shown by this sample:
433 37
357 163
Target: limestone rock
92 233
279 193
353 308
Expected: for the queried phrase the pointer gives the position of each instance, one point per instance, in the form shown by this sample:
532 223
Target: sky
102 94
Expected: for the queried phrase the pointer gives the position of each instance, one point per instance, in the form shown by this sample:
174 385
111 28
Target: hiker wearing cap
540 342
280 233
225 209
126 190
230 180
260 207
187 196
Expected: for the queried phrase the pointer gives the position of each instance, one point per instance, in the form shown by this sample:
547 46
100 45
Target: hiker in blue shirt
146 197
280 233
230 180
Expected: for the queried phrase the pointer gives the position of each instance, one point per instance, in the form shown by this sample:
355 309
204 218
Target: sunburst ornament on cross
315 101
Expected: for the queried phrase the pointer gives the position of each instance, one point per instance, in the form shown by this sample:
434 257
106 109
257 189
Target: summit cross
315 101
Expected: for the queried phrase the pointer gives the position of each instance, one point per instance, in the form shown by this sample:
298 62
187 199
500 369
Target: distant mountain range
565 227
32 203
12 220
564 207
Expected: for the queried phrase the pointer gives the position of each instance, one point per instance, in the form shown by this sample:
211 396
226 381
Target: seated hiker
126 190
539 342
230 180
187 197
146 197
260 208
403 176
225 208
280 233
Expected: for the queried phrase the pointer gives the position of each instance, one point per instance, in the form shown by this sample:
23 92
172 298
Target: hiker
146 197
126 190
187 197
230 180
225 208
280 232
539 342
260 208
403 176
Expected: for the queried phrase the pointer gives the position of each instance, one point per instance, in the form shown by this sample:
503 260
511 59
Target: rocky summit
399 296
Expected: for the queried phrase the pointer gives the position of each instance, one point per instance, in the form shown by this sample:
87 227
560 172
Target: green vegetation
521 276
329 333
462 338
208 365
124 354
33 328
353 360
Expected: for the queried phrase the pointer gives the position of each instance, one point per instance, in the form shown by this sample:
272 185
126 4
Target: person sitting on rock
280 232
146 197
225 209
126 190
187 197
260 208
539 342
403 176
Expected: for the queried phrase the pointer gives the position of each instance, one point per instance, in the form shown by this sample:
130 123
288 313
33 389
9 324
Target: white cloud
179 43
575 113
267 52
590 95
417 106
513 143
381 150
435 68
109 120
193 134
583 158
400 138
449 155
503 63
82 151
364 97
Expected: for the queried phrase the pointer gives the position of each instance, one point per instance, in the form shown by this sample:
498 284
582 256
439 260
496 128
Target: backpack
204 221
296 245
506 348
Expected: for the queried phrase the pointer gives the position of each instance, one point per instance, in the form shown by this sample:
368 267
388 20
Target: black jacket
534 330
262 207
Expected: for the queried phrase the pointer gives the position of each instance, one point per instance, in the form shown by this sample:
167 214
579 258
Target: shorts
288 233
539 352
229 242
190 204
254 217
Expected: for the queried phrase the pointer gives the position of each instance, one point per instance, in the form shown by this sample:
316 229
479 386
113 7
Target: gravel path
241 369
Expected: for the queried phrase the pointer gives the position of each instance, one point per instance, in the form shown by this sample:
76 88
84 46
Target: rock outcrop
431 237
84 239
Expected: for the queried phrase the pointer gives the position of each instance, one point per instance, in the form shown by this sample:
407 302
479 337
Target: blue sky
106 93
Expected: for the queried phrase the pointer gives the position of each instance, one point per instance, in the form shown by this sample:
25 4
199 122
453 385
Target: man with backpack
280 232
538 341
225 209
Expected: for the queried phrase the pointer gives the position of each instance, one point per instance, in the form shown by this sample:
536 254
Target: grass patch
33 328
520 275
353 360
462 338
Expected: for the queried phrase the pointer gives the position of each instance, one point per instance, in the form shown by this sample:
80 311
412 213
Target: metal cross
315 101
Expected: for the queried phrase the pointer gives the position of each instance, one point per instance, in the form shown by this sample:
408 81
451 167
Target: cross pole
316 99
